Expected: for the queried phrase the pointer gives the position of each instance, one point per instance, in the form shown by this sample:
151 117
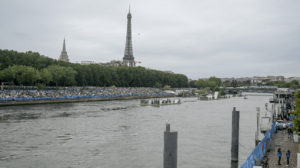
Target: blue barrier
245 165
260 150
250 160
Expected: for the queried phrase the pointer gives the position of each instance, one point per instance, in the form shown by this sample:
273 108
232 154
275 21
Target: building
112 63
44 56
263 80
87 62
226 80
243 79
276 78
258 79
290 79
170 72
128 58
205 79
64 56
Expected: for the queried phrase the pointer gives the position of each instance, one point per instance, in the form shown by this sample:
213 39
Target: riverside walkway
282 141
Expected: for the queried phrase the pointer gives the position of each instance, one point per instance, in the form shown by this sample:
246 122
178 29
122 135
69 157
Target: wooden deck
282 141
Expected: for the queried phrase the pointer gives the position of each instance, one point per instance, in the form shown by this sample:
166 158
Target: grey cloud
196 38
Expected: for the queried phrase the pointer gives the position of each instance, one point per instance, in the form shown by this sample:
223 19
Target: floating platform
212 98
160 102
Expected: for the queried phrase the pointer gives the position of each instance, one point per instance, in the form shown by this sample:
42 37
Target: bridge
250 89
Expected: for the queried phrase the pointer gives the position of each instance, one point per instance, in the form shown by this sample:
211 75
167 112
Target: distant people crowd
122 91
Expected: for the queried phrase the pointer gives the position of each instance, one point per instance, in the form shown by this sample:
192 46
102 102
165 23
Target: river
123 134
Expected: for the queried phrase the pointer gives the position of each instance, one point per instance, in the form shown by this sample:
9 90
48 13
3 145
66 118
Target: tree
39 86
217 81
192 84
295 82
296 121
85 74
201 92
157 85
68 77
32 75
270 83
222 92
56 72
46 76
201 84
234 83
21 74
166 87
211 84
217 89
10 73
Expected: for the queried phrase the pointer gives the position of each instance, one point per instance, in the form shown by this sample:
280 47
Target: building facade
87 62
290 79
276 78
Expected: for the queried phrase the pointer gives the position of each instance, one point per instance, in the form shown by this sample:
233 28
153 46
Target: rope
245 147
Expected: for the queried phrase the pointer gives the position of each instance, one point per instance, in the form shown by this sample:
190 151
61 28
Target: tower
128 58
64 56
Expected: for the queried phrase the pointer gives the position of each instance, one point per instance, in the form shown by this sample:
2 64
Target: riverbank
282 141
53 101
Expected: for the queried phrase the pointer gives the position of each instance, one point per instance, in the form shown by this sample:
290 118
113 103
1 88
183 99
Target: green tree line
283 84
29 68
234 83
211 83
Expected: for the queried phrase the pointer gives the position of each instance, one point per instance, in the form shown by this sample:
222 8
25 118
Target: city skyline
199 40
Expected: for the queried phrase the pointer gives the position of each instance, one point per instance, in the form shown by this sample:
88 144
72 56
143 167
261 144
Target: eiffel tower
128 58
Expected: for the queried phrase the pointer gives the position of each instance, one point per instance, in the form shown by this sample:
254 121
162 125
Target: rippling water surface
119 134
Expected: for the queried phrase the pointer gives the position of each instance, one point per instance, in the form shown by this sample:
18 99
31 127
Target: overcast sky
222 38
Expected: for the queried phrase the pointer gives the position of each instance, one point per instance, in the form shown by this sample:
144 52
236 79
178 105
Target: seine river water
123 134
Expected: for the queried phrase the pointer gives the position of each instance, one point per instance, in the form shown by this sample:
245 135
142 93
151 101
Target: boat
285 98
265 124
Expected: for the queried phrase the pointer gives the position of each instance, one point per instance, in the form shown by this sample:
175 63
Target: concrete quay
282 141
33 102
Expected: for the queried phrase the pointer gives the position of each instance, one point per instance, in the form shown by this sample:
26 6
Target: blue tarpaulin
260 150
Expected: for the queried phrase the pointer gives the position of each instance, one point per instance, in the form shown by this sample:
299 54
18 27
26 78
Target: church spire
64 56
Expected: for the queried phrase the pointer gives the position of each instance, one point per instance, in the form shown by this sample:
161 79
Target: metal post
170 148
272 106
235 135
278 112
257 132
